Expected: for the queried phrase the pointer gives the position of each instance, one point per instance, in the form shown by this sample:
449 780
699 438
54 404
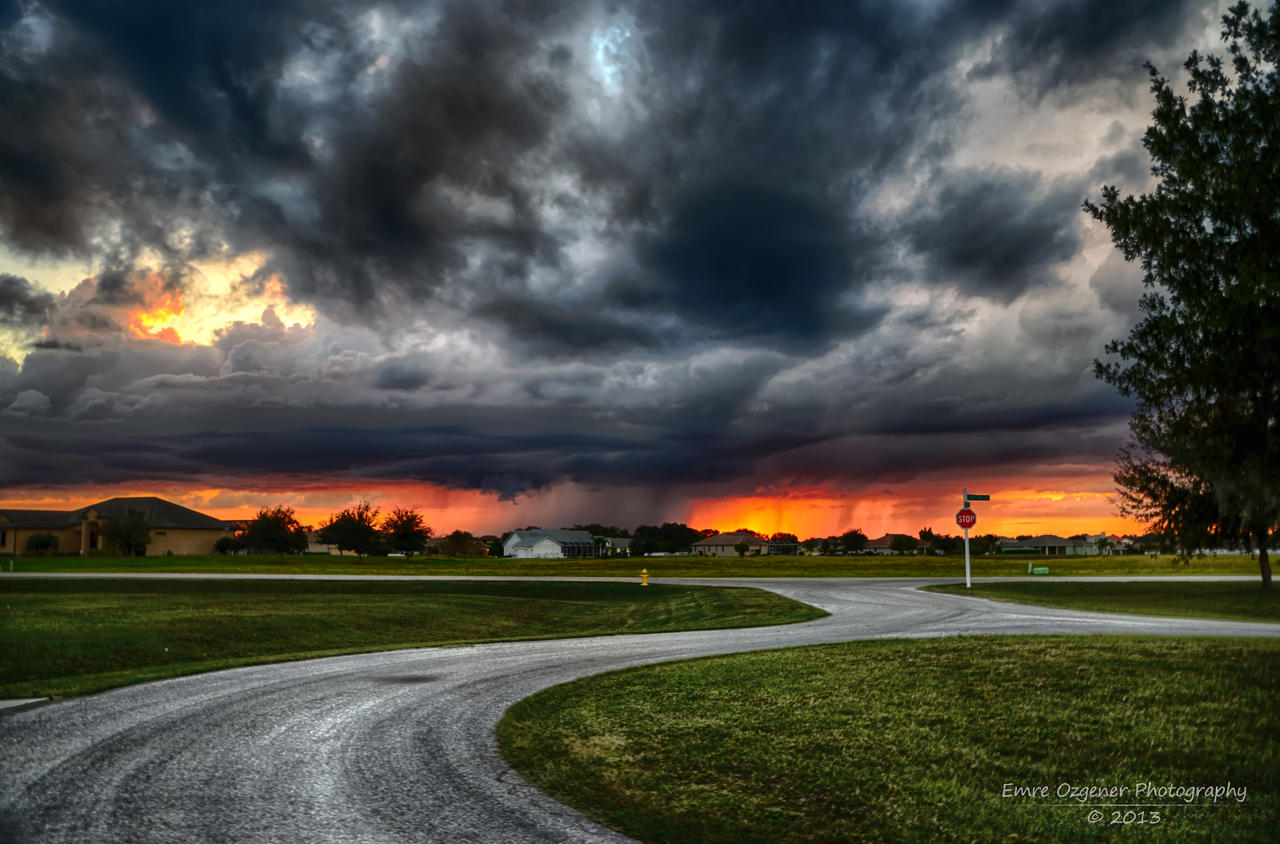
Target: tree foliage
41 544
129 533
853 541
406 531
228 545
902 544
942 543
598 530
1203 364
277 530
670 538
461 543
352 529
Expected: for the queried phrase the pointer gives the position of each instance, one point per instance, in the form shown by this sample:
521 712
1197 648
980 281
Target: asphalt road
399 746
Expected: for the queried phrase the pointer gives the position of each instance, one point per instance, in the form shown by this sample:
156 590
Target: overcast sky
546 262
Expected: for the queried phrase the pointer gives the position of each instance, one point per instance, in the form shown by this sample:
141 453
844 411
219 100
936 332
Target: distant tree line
364 530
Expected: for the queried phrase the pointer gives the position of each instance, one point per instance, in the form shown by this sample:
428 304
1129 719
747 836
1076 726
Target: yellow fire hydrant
644 577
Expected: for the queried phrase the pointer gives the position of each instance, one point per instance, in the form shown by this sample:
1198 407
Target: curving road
399 746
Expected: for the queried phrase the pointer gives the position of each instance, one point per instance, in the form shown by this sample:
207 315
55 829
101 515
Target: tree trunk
1264 562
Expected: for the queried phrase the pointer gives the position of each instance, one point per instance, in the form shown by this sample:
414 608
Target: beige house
174 528
724 545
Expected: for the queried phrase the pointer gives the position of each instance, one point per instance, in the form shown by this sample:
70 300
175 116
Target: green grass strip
69 637
1237 601
861 566
916 740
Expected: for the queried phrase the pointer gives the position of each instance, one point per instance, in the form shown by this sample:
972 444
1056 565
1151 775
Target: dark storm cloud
1056 47
1130 168
1118 284
958 416
401 374
21 304
177 121
455 170
757 129
561 329
996 233
748 260
870 460
465 449
64 373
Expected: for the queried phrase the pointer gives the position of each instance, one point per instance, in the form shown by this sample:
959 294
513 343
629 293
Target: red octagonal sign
966 518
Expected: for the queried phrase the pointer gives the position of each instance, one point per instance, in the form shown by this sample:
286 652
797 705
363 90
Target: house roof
1047 540
886 541
563 538
162 514
735 538
36 518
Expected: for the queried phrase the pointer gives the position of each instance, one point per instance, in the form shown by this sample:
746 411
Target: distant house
616 546
1117 544
783 547
884 545
174 528
725 544
1048 545
315 546
550 544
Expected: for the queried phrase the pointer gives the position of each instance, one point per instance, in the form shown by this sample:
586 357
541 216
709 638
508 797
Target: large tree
277 530
406 531
461 543
1203 364
669 538
853 541
129 533
353 529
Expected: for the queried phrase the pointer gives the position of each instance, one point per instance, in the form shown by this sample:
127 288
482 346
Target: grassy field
69 637
1237 601
1131 564
916 741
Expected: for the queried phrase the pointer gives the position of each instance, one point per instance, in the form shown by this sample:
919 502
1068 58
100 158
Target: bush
42 543
228 545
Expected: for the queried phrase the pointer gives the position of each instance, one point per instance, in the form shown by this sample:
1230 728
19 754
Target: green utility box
1040 570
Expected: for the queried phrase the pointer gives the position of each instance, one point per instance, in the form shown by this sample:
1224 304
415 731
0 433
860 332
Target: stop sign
966 518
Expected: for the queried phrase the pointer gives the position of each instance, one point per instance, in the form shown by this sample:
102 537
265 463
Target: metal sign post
966 519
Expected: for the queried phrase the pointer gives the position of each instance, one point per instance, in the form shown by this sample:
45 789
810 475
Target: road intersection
399 746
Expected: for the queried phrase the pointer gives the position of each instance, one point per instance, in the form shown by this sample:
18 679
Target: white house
550 544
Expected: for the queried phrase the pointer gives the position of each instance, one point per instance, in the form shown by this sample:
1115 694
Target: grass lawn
69 637
916 741
1130 564
1235 601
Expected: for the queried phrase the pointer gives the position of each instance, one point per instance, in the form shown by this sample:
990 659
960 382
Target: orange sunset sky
1071 506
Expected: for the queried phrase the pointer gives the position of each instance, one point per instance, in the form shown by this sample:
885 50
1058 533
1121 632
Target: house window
4 538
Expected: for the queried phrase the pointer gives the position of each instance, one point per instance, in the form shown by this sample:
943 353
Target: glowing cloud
154 324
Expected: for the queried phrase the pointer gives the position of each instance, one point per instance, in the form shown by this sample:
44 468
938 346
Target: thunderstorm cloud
508 246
